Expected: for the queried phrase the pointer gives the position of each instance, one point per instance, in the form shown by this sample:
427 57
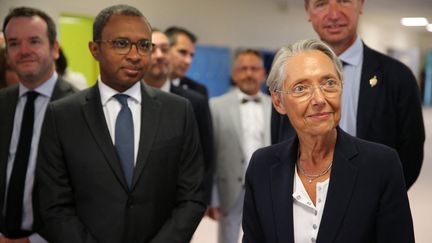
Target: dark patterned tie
14 204
124 138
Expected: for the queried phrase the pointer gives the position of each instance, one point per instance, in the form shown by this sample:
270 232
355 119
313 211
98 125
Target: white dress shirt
166 86
41 103
111 107
252 124
176 82
306 215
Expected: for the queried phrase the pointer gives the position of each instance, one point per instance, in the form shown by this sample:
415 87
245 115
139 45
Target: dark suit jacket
201 109
389 113
83 194
8 102
366 200
188 83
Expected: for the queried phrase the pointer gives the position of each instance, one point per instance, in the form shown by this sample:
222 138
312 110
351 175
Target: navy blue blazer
366 199
389 112
188 83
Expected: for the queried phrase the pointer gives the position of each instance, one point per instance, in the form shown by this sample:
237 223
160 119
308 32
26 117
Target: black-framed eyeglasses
123 45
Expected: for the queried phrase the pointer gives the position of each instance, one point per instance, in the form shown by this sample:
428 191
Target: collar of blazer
342 181
150 113
369 94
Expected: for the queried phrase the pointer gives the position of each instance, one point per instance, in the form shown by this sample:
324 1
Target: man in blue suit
380 95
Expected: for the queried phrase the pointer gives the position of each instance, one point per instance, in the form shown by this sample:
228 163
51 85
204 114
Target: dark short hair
61 63
174 31
121 9
30 12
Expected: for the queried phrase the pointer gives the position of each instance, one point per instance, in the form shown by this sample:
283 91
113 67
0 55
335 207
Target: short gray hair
277 73
102 18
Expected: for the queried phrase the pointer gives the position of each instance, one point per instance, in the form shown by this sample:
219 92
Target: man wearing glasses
120 162
380 95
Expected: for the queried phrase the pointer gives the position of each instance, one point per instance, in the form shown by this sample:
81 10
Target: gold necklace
313 177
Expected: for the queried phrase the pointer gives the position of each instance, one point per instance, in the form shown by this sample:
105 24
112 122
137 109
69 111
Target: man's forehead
29 20
39 27
247 58
160 38
118 25
184 40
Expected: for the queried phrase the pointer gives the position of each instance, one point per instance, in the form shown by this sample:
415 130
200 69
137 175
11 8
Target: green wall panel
75 34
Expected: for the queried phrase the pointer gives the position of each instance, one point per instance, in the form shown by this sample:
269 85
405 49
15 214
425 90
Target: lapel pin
373 81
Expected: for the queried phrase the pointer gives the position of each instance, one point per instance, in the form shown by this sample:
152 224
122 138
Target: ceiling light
429 27
414 21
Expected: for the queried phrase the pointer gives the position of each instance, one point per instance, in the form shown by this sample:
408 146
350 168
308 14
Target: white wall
253 23
234 23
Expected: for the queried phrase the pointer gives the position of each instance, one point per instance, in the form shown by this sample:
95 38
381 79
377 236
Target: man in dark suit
158 77
381 101
121 161
31 49
181 54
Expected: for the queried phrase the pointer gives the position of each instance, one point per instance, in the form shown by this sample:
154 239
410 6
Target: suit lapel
267 107
150 115
233 106
282 178
342 181
7 111
61 89
368 93
95 118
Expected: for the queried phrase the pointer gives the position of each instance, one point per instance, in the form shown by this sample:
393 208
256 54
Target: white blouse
306 215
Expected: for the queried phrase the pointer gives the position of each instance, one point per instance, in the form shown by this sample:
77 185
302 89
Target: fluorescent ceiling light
414 21
429 27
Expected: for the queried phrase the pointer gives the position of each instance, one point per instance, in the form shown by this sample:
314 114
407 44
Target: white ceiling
385 12
389 12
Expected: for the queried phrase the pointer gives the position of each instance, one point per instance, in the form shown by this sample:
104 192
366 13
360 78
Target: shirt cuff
36 238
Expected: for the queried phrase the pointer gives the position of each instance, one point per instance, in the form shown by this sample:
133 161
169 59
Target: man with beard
158 77
241 122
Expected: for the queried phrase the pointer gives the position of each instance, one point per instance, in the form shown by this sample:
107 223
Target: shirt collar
241 95
176 81
107 92
45 89
166 87
353 55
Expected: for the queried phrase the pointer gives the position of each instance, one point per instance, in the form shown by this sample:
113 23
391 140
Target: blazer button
240 179
130 202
